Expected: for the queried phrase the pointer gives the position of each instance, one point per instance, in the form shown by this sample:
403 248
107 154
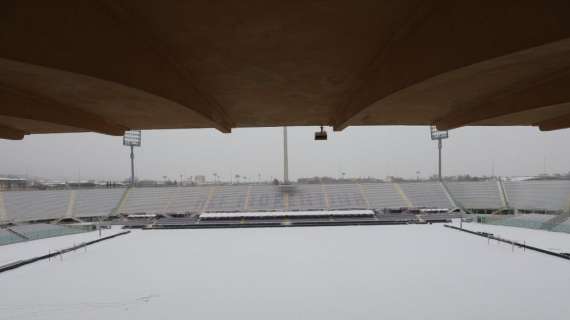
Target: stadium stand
306 197
527 196
187 199
265 198
382 195
426 194
229 198
476 195
3 214
148 200
539 195
97 202
344 196
36 205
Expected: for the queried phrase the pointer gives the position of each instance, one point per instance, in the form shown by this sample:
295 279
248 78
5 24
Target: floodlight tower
285 158
132 139
438 135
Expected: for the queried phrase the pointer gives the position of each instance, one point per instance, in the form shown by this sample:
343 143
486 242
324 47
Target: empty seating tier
36 205
23 206
548 195
476 195
426 194
382 195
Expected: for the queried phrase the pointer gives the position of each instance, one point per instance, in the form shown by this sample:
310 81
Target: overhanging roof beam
549 90
20 104
142 33
557 123
11 133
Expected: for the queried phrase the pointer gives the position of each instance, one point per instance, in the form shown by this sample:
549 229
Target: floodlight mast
439 145
285 158
132 139
439 136
132 165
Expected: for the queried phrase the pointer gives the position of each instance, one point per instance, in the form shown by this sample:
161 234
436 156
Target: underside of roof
112 65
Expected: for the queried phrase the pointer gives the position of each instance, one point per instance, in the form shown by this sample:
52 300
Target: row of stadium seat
50 205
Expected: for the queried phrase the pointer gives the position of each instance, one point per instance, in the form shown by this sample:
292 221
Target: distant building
520 178
81 184
12 183
200 179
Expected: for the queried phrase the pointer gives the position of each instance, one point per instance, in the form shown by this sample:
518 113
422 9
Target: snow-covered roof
285 214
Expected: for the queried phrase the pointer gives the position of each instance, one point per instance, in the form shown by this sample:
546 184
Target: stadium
528 204
346 248
57 227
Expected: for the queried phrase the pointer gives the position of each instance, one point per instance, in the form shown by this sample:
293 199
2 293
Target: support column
402 194
246 201
448 194
70 212
286 201
363 194
3 212
325 196
210 196
119 207
171 197
503 193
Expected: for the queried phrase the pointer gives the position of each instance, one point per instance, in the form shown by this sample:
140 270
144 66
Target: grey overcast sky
358 151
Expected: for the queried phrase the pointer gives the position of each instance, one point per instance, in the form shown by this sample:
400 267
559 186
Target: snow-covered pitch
356 272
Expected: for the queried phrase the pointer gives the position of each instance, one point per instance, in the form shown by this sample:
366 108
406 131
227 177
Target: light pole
285 158
438 135
132 139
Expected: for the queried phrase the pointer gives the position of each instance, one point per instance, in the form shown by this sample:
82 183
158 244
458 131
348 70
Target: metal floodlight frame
438 134
132 138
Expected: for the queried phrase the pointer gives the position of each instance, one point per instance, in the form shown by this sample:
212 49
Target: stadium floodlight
438 135
132 139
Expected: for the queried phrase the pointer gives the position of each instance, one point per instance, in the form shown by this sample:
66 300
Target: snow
356 272
555 241
34 248
278 214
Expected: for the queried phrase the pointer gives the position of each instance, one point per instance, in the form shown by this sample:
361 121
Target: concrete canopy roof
112 65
